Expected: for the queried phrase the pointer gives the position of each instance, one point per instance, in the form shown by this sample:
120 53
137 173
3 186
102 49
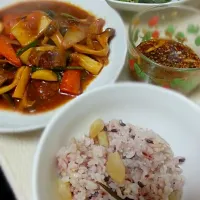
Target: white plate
137 7
169 114
13 122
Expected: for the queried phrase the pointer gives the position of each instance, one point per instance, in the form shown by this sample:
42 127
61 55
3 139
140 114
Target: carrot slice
8 52
71 82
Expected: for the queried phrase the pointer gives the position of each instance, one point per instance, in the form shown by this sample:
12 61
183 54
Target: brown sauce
169 53
46 94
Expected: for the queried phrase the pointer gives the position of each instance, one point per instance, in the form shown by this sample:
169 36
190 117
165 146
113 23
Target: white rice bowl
152 170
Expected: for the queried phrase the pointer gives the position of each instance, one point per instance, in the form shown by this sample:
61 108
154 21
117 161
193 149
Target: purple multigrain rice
152 165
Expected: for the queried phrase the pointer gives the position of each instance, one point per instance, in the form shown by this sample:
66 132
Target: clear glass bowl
168 22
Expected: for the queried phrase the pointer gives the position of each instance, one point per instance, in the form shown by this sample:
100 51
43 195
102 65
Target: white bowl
138 7
169 114
13 122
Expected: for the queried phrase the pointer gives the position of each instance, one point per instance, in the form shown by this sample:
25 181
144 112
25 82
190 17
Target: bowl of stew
50 53
164 47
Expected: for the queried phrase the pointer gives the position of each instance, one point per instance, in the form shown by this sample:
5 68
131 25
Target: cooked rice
152 171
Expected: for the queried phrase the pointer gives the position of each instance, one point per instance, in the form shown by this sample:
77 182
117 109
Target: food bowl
179 24
117 102
127 5
13 121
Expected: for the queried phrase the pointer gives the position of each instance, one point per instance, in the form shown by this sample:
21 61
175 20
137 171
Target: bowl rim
131 32
112 77
47 132
148 4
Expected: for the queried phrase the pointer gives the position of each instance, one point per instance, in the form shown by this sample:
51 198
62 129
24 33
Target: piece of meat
43 89
52 59
48 59
6 76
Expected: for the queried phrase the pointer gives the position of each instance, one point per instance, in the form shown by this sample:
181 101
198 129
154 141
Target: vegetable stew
49 53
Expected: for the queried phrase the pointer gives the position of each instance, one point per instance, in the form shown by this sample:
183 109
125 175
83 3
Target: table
17 151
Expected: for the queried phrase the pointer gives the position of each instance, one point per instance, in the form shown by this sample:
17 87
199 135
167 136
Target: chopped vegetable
58 39
45 40
45 48
22 50
69 16
59 76
25 56
71 82
51 13
84 49
1 27
73 36
64 190
96 27
176 195
63 51
51 29
23 82
26 36
87 63
103 139
9 99
9 21
6 89
96 127
25 103
67 68
44 74
105 36
8 52
115 167
34 69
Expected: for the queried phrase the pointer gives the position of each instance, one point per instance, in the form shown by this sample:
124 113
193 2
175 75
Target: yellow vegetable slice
87 63
14 83
115 167
175 195
84 49
26 36
103 139
45 48
96 127
25 56
58 39
23 82
25 103
64 190
45 75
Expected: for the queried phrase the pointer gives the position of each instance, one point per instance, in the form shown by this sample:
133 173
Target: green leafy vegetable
31 45
58 69
34 69
69 16
67 68
59 76
50 13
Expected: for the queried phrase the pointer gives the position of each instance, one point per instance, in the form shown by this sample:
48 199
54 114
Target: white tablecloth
17 151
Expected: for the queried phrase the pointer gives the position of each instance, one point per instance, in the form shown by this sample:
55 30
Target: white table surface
17 151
